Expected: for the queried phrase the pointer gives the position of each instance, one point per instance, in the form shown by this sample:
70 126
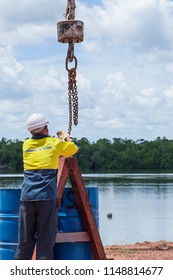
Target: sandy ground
160 250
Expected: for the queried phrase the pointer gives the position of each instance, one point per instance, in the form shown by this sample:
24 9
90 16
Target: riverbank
160 250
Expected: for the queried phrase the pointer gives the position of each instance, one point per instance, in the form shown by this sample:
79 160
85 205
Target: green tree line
103 155
11 155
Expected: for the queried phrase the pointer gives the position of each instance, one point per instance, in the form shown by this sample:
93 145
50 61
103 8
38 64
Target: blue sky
124 74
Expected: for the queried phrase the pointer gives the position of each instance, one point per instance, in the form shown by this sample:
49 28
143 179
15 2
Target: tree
103 155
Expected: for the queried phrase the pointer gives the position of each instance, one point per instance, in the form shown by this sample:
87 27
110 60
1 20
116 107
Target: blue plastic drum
69 220
9 201
9 209
9 228
7 251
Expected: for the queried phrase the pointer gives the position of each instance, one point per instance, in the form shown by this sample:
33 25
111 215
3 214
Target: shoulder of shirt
53 138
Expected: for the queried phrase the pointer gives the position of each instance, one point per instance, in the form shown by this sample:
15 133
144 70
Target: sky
124 73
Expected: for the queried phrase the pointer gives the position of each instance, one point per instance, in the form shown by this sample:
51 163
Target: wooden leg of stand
68 167
34 253
62 179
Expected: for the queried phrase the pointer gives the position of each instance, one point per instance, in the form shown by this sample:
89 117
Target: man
38 202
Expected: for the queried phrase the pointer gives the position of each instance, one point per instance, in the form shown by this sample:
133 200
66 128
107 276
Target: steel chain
70 52
73 99
72 84
70 11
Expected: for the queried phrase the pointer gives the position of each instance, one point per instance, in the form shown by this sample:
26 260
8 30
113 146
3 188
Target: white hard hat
36 122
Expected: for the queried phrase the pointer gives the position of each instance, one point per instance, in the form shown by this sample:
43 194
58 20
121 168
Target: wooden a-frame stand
69 168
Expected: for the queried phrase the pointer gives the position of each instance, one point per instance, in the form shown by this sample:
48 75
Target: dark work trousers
38 222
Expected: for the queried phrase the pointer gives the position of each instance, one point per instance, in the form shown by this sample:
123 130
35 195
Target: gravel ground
160 250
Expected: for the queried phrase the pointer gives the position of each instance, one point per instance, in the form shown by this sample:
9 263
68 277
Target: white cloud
30 22
145 24
48 83
111 123
116 79
147 97
8 64
169 92
124 74
12 75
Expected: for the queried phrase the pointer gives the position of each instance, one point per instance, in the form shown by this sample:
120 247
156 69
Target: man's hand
64 136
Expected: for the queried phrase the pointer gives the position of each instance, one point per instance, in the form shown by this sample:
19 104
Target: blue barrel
9 209
69 220
9 227
7 251
9 201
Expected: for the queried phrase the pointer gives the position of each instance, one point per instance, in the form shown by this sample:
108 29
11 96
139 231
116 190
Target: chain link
72 97
70 52
71 31
70 11
72 84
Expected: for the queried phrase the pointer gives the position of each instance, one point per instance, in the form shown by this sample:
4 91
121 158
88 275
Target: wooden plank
63 172
85 210
70 168
34 253
63 237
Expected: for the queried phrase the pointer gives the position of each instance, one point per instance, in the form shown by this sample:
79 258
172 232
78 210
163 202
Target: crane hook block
70 31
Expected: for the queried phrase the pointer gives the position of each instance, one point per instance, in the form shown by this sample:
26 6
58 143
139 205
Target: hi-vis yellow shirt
40 157
44 153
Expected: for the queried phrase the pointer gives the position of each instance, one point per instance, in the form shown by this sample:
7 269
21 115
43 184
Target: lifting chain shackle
71 31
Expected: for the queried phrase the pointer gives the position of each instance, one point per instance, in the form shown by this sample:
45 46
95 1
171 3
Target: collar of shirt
40 136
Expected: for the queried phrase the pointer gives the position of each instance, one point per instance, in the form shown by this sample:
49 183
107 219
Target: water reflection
10 181
141 205
139 212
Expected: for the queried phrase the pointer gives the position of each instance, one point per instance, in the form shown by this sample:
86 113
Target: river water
140 205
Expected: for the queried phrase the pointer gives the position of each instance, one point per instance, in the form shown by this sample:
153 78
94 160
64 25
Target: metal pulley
70 31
